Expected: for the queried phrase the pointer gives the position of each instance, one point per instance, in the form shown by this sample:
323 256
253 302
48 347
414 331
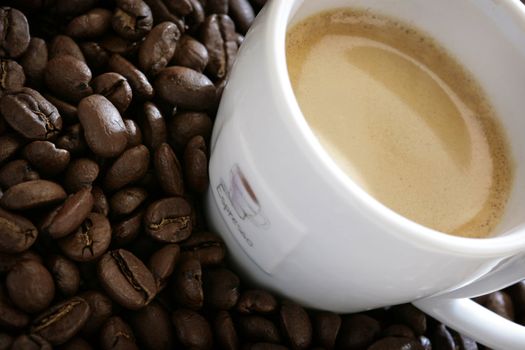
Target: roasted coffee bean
256 301
218 36
411 316
242 13
30 286
169 171
162 264
68 78
14 33
72 7
125 201
225 332
185 88
104 129
221 288
12 77
46 157
63 45
137 80
101 310
209 249
96 56
396 343
153 327
258 329
158 48
73 140
10 317
81 173
115 44
34 61
358 331
127 230
442 339
296 325
134 133
398 330
62 321
181 7
196 164
153 126
126 279
71 214
168 220
29 113
184 126
8 261
130 167
161 11
517 293
191 53
89 241
15 172
76 344
132 19
192 329
117 335
31 342
100 202
92 24
9 144
115 88
187 284
326 327
500 303
195 19
65 273
216 6
5 341
16 233
32 194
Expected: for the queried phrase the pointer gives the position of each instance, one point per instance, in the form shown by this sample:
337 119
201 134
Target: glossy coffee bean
125 201
158 48
62 321
132 19
225 332
134 133
398 330
65 274
89 241
68 77
221 288
169 170
130 167
411 316
12 77
184 126
395 343
358 331
71 214
218 36
14 33
217 6
67 110
101 310
8 261
500 303
91 24
191 53
442 339
258 329
96 56
296 325
15 172
81 173
256 301
30 286
153 126
196 164
152 327
72 140
326 326
169 10
192 329
169 220
34 62
162 264
209 249
187 284
125 231
46 157
104 129
32 194
63 45
12 318
117 335
9 144
126 279
137 80
115 88
115 44
100 201
30 342
30 114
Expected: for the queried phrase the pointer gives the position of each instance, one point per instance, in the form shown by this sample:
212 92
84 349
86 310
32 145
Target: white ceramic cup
296 224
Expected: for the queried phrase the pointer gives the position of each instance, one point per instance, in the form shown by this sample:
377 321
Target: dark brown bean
169 171
65 273
411 316
101 309
81 173
128 229
191 53
9 144
73 140
242 14
256 301
8 261
396 343
62 321
117 335
153 327
130 167
96 56
153 126
12 77
218 36
442 339
64 45
46 157
100 202
30 342
326 327
68 78
192 329
125 201
184 126
500 303
115 44
71 214
139 82
161 11
296 325
187 284
398 330
221 288
258 329
32 194
16 233
196 164
205 246
158 48
517 293
195 19
185 88
169 220
89 241
14 32
11 317
225 332
92 24
132 19
29 113
15 172
103 126
162 264
134 133
126 279
115 88
358 331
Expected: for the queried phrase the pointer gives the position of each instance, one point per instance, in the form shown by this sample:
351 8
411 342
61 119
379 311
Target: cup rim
280 14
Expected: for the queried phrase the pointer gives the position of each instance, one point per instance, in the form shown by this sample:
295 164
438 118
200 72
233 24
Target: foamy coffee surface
402 118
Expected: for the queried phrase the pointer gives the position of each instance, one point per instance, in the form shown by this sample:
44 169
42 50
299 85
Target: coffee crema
402 118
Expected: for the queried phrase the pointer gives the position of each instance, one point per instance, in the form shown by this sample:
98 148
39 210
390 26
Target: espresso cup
296 224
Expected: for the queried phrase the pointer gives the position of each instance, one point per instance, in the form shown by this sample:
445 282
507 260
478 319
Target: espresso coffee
402 118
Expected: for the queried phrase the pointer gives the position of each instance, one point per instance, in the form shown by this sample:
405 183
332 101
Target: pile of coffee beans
106 110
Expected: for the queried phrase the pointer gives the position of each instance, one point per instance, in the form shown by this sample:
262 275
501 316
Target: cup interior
488 38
